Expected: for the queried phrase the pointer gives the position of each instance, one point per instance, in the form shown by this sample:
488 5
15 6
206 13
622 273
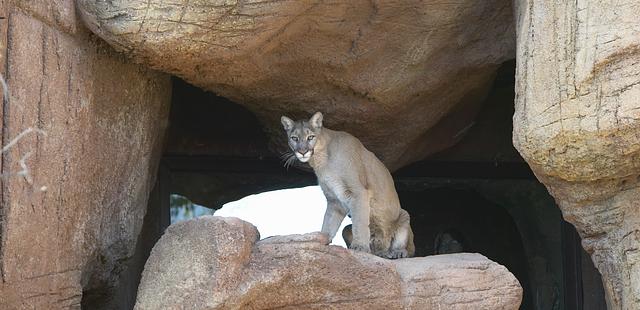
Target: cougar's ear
287 123
316 120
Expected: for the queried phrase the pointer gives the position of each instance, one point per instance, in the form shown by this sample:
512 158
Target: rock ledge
218 263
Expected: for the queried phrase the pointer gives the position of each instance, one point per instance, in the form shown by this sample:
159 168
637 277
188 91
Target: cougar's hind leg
378 247
380 241
402 245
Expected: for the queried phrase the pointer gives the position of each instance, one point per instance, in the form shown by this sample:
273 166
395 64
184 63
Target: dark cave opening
463 218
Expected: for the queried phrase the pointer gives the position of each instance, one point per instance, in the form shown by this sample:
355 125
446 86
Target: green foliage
183 209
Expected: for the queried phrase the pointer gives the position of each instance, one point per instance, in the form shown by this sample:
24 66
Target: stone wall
83 126
577 124
74 187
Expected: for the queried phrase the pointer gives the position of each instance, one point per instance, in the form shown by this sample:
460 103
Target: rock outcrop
577 123
82 133
420 68
217 263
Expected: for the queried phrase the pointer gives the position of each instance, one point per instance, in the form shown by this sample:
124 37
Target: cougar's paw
360 248
378 244
393 254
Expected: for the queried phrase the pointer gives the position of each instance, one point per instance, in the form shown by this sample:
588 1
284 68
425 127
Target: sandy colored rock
389 72
577 123
217 263
69 218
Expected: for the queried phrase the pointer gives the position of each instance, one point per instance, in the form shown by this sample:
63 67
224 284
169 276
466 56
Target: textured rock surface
216 263
69 225
577 123
368 65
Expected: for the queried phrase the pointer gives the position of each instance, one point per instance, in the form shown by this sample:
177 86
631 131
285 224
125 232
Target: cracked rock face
215 263
577 123
388 72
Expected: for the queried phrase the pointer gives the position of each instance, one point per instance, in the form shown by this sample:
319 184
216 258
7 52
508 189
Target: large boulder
389 72
82 132
217 263
577 123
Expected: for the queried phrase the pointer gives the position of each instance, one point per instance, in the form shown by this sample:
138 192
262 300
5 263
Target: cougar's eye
311 137
294 138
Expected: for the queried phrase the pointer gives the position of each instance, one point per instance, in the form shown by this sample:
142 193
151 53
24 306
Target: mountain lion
354 182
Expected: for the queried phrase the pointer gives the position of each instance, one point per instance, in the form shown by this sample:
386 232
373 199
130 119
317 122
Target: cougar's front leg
359 206
333 217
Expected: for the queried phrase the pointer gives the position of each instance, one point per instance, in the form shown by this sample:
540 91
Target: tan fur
355 182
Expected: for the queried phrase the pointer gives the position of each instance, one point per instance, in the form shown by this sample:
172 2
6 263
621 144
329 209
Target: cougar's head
302 135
